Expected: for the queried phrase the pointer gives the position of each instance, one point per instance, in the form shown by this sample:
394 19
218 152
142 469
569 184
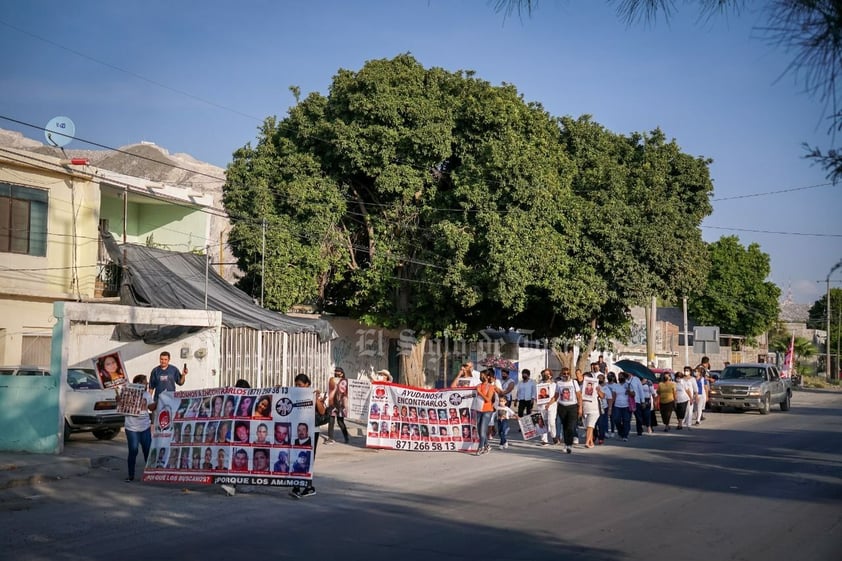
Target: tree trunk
412 363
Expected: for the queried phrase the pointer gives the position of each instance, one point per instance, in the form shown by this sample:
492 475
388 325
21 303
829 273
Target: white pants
688 415
552 412
700 408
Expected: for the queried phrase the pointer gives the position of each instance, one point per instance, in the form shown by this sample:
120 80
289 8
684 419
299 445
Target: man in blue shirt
165 376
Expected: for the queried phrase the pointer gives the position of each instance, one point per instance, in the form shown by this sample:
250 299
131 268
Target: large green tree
421 198
736 296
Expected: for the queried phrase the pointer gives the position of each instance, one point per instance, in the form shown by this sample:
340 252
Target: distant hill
149 161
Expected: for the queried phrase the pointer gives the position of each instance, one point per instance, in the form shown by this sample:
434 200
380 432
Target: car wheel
766 406
67 431
105 434
785 404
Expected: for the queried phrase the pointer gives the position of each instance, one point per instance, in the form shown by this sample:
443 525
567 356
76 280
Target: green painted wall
171 226
29 412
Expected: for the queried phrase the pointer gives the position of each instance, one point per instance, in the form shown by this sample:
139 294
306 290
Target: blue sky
198 77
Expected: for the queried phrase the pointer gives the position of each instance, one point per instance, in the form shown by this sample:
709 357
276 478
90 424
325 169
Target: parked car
87 407
751 386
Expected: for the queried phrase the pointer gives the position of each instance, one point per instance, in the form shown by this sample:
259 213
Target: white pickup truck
751 386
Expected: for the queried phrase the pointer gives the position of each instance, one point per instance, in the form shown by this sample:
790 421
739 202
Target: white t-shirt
590 403
568 398
637 387
621 398
681 395
139 423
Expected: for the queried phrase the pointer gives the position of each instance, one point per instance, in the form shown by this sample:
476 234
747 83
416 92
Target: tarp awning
166 279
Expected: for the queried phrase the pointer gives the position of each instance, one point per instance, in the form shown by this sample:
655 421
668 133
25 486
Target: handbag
322 418
632 405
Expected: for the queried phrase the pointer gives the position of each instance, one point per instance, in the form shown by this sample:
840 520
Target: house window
23 220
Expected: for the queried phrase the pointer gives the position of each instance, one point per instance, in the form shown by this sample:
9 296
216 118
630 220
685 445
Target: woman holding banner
484 406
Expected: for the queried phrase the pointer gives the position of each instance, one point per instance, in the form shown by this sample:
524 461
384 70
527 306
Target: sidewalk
82 454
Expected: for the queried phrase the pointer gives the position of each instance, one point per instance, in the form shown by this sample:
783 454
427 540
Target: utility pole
686 335
651 317
207 273
829 373
263 264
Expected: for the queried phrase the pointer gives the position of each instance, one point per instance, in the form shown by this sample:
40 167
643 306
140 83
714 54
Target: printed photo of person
422 415
152 459
176 433
443 433
245 406
442 415
216 406
589 389
111 371
282 432
394 431
241 432
184 463
263 407
384 429
464 415
282 463
454 416
207 461
193 408
229 407
197 459
404 413
199 432
205 408
433 415
303 435
223 433
260 460
221 459
210 431
456 433
405 432
395 413
162 458
415 432
261 434
466 433
172 461
413 414
181 412
425 432
302 463
187 432
374 411
374 429
240 460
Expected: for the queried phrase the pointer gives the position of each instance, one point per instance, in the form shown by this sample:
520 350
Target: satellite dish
59 131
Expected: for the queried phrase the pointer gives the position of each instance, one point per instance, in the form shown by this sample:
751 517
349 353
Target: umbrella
639 370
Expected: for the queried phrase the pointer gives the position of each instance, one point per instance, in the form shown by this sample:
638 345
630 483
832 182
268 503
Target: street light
827 339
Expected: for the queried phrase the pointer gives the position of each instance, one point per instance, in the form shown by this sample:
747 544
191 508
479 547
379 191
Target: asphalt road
740 487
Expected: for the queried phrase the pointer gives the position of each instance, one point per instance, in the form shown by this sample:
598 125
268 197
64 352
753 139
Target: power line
773 232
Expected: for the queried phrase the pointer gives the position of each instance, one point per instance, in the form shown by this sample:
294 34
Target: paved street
741 487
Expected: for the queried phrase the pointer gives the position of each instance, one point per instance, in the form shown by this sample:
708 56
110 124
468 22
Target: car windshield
82 379
742 372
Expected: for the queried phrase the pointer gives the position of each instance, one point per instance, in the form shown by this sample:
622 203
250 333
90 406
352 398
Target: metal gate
273 358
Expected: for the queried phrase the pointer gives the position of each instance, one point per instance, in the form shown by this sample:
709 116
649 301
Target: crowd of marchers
588 408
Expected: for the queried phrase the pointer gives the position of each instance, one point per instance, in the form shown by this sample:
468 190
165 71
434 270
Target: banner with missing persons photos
416 419
232 435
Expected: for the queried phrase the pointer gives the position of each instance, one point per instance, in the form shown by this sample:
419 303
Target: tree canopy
434 200
736 296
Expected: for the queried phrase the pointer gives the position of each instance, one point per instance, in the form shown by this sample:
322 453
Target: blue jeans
483 420
503 430
133 439
622 420
602 425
